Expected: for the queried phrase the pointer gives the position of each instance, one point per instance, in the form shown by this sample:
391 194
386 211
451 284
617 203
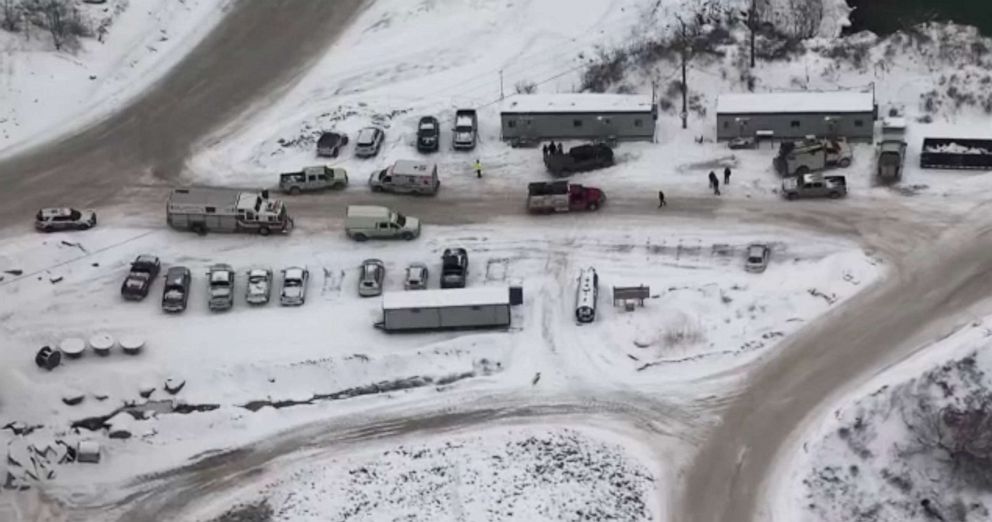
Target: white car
369 142
294 286
757 258
56 219
259 286
417 275
220 279
371 278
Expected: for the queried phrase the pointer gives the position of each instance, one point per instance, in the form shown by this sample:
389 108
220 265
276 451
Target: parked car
294 286
312 179
144 271
757 258
742 143
259 286
221 289
370 281
53 219
329 144
175 295
417 275
369 142
454 268
428 134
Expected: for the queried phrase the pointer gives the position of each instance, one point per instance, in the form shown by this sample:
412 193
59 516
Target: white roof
795 102
581 102
449 297
412 168
367 211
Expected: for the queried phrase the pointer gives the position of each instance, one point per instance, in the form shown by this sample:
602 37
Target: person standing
559 149
551 147
726 175
544 149
478 168
714 183
661 199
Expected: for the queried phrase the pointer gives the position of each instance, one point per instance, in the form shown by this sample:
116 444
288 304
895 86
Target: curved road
260 47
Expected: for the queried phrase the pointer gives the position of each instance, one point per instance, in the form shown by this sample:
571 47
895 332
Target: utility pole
752 20
685 87
501 84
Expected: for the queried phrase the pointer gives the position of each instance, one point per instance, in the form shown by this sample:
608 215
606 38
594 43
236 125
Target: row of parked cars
145 270
370 139
454 273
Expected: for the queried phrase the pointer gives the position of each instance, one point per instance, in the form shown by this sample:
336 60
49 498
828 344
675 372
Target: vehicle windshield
220 279
755 259
889 158
256 278
291 282
400 219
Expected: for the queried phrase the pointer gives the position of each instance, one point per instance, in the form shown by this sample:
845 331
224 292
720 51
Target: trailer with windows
532 118
449 309
794 115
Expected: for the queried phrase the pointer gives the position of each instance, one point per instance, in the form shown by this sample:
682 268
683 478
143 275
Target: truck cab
312 179
466 129
582 158
406 177
814 186
365 222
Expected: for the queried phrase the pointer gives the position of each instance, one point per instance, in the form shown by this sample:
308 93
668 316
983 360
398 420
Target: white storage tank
586 294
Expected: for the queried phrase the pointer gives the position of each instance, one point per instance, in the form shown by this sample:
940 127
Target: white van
406 177
368 221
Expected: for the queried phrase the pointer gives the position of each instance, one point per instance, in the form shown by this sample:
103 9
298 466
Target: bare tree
59 17
12 15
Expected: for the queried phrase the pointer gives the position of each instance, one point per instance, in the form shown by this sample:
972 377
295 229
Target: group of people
552 148
714 184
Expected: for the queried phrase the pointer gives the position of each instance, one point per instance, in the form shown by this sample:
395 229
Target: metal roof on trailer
576 103
488 295
795 102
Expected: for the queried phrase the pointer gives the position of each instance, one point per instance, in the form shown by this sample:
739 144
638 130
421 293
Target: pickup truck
796 158
466 129
312 179
144 270
454 268
562 196
814 186
579 159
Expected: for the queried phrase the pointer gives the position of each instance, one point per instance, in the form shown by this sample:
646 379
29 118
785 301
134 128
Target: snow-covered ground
879 454
706 315
533 472
44 93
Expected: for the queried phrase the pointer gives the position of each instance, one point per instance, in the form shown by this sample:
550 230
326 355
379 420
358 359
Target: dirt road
253 54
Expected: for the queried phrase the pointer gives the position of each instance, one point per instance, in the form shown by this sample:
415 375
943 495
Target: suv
330 143
175 295
370 281
139 279
369 142
221 289
428 134
454 268
52 219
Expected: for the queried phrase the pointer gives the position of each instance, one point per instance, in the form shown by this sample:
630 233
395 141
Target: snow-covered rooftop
448 297
795 102
577 102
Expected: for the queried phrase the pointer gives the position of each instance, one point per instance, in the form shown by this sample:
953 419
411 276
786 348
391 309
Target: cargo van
374 222
406 177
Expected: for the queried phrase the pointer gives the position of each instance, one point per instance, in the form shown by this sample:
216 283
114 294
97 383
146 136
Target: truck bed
956 153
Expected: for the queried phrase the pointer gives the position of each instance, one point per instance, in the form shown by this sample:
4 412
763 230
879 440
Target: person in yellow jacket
478 168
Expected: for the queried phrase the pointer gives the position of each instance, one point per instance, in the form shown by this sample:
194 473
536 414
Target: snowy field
706 314
44 93
538 473
908 445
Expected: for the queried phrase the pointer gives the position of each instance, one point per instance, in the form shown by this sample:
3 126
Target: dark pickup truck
579 159
454 268
144 271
